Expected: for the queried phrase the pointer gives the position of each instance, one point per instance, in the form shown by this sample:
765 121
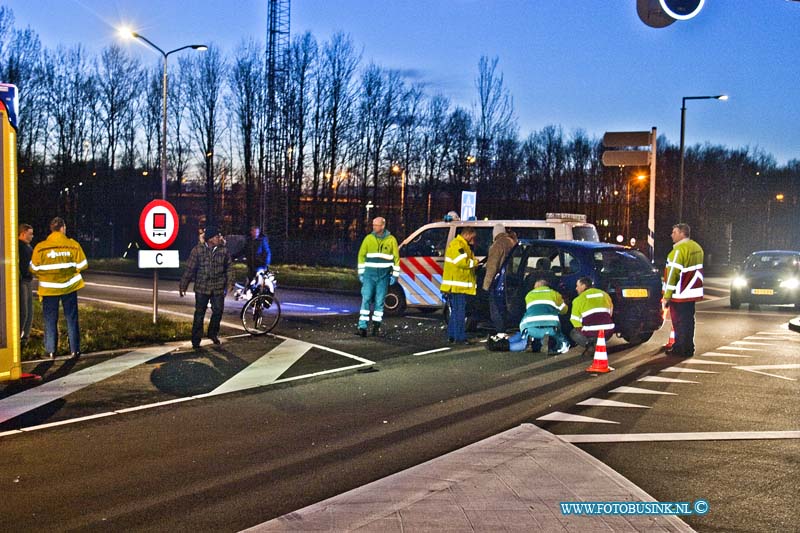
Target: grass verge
107 329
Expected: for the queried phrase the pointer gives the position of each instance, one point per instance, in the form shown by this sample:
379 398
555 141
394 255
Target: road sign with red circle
158 224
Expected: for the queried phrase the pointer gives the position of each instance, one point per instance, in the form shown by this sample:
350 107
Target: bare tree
245 79
494 115
205 85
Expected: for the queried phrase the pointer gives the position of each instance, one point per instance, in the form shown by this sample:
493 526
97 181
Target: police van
422 253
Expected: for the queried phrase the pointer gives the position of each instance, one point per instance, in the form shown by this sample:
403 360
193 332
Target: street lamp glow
722 97
126 33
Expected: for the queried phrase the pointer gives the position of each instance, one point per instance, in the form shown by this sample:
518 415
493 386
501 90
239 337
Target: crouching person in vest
378 267
540 323
591 312
57 262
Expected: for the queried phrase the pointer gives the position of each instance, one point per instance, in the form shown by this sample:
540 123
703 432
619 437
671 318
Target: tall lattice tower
274 216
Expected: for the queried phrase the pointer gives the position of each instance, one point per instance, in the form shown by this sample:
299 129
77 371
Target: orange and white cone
600 362
671 340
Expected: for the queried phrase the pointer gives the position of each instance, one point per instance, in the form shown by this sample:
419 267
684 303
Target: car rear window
585 233
524 232
622 262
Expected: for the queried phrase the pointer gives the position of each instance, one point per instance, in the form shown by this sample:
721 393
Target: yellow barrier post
10 365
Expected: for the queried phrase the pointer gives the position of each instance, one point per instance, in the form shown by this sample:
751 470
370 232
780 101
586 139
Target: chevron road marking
659 379
664 437
599 402
31 399
636 390
758 368
677 369
558 416
266 369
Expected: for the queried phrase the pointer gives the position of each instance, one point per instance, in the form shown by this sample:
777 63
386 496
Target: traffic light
661 13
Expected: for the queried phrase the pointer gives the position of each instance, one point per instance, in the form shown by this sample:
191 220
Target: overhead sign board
469 200
158 224
159 259
622 158
615 139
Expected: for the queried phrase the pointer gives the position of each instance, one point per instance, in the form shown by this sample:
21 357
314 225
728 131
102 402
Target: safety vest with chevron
591 311
683 275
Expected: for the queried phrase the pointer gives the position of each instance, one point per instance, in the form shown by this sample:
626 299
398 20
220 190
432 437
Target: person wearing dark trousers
58 262
683 286
208 267
25 283
504 239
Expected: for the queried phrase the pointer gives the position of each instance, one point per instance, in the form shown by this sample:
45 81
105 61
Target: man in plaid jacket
209 267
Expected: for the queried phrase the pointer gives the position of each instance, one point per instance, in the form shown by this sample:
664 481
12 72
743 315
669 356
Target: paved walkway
513 481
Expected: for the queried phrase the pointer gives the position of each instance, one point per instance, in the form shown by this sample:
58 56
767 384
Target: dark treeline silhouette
349 141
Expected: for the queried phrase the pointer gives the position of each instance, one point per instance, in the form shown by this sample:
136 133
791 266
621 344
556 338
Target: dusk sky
589 64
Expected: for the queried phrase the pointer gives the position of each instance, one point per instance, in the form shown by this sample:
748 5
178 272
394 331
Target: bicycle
262 311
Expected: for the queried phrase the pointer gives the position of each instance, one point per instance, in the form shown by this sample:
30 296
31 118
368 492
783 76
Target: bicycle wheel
261 314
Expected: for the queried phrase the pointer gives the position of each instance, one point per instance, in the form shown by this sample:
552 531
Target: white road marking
717 354
599 402
748 343
693 361
297 305
431 351
636 390
769 338
784 333
124 287
47 392
739 349
558 416
663 437
757 370
266 369
677 369
659 379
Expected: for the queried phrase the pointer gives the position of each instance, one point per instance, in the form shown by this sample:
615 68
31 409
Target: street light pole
683 135
164 55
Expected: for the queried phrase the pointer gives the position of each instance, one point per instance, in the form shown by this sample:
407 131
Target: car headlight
739 282
791 283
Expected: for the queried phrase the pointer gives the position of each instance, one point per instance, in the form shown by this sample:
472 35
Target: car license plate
634 293
767 292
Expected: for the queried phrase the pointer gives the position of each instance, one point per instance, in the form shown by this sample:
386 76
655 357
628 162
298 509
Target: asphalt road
331 422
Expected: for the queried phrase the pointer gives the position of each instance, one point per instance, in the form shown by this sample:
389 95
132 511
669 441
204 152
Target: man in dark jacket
258 253
25 280
209 267
504 240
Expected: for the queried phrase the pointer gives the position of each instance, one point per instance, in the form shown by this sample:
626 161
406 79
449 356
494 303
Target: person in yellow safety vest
540 322
683 286
591 312
57 262
458 282
378 267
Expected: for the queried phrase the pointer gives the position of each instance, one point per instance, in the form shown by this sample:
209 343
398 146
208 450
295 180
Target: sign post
158 226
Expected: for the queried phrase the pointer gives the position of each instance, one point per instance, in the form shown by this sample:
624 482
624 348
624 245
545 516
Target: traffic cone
671 340
600 363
